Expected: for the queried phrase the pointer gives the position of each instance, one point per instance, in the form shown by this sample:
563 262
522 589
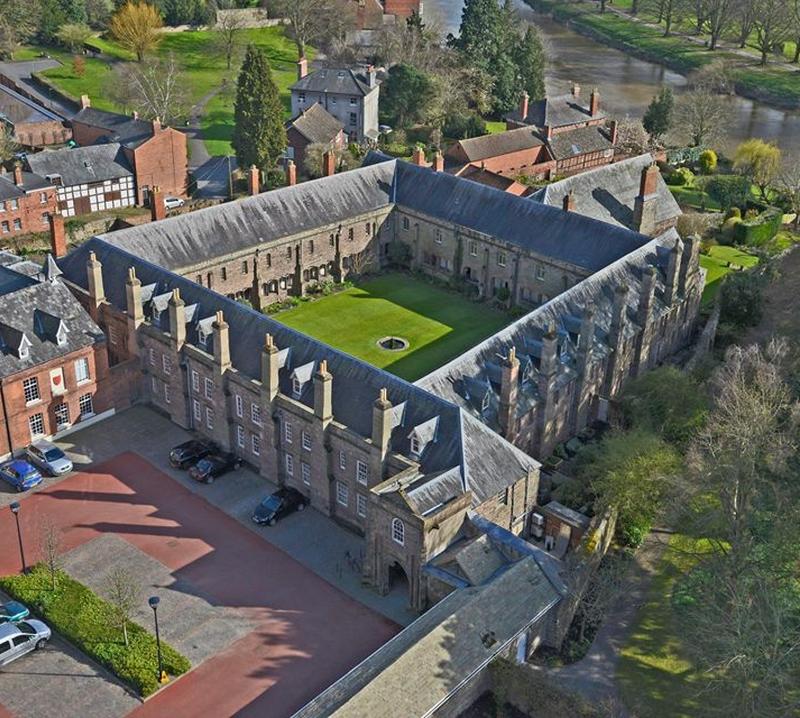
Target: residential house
313 126
26 201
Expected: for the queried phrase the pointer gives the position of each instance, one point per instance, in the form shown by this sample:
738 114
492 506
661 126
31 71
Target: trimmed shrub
708 162
742 299
728 190
727 233
681 177
759 230
733 212
87 621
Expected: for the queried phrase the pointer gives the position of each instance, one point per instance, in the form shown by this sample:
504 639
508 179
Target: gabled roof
82 165
556 112
580 141
317 125
17 109
608 193
500 143
30 182
335 80
126 130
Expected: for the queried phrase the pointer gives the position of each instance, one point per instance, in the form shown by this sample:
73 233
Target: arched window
398 531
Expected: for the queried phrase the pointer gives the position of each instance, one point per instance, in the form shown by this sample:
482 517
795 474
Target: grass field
655 677
204 70
717 264
438 324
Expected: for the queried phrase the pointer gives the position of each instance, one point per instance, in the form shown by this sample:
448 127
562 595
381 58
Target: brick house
26 200
157 154
53 364
31 125
351 96
313 126
561 113
373 14
87 179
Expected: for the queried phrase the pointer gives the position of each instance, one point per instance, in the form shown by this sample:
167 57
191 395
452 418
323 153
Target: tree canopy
407 96
136 26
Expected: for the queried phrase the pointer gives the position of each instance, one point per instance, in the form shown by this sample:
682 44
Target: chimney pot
18 174
85 102
291 173
418 157
302 68
58 237
523 105
569 202
438 161
594 103
576 89
329 164
156 125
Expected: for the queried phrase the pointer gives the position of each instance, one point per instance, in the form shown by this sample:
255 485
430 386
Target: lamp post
154 601
14 506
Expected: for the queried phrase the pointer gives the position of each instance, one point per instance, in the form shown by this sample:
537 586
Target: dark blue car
20 474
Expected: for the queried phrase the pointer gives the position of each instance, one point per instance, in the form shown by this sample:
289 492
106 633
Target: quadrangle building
417 469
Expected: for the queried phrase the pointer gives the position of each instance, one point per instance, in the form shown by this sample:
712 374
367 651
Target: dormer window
61 335
155 315
416 447
297 388
485 402
202 338
23 352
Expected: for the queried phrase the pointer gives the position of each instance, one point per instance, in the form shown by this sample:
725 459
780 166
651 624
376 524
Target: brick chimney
418 157
548 131
58 235
509 385
649 182
302 68
156 125
328 164
438 161
569 202
291 173
157 209
594 103
523 105
253 181
18 174
85 102
644 205
613 129
372 76
576 89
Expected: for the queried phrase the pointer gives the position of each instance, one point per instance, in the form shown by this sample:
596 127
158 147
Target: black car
189 453
213 465
284 501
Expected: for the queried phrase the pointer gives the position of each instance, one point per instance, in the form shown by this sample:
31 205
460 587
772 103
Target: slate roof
36 308
556 112
500 143
17 109
608 193
449 643
580 141
30 183
335 80
124 129
82 165
317 125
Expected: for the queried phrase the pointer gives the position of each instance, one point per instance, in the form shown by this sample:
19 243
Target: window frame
398 531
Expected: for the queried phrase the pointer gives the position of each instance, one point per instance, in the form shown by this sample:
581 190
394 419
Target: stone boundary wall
249 17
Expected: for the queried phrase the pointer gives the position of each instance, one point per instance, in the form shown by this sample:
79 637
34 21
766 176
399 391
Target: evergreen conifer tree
658 117
259 137
531 63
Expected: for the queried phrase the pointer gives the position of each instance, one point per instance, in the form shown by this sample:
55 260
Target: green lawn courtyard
718 262
438 324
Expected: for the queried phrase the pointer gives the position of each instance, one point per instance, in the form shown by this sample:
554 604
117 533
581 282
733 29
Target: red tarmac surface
308 634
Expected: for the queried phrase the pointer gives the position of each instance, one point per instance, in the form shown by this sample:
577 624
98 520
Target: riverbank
770 85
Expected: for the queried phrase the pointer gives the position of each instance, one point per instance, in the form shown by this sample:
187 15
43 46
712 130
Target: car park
49 458
275 506
20 474
12 611
190 452
214 465
173 202
17 639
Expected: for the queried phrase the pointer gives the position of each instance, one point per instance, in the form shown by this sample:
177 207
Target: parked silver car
17 639
48 457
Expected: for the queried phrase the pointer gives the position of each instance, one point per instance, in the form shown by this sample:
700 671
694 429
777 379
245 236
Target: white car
49 458
17 639
173 202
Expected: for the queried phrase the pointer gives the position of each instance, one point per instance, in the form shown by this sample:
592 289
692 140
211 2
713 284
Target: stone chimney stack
646 295
382 423
85 102
329 164
253 181
509 387
269 368
673 269
94 275
18 174
302 68
616 338
613 129
418 157
576 89
133 296
548 131
135 115
438 161
156 125
646 202
222 348
568 202
594 103
689 262
372 76
157 208
177 319
323 392
291 173
58 235
548 361
619 312
523 105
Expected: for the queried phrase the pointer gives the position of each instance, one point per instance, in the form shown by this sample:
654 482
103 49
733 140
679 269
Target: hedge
86 620
759 230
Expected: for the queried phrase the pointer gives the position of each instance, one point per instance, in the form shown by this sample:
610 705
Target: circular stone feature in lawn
393 344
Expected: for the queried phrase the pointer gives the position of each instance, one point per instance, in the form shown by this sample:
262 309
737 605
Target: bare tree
314 22
789 184
719 16
153 88
632 138
745 12
702 115
50 547
124 592
361 263
227 37
314 154
772 25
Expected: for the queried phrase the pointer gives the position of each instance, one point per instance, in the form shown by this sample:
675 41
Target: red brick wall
41 134
401 8
29 212
86 134
162 161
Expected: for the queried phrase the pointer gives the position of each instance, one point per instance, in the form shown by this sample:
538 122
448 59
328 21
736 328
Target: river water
627 84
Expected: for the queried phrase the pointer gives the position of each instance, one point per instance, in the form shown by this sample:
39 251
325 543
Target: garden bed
87 621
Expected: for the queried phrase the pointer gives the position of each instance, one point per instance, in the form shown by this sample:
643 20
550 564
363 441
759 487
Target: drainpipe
5 416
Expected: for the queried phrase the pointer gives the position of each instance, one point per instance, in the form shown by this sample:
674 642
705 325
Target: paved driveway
306 633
